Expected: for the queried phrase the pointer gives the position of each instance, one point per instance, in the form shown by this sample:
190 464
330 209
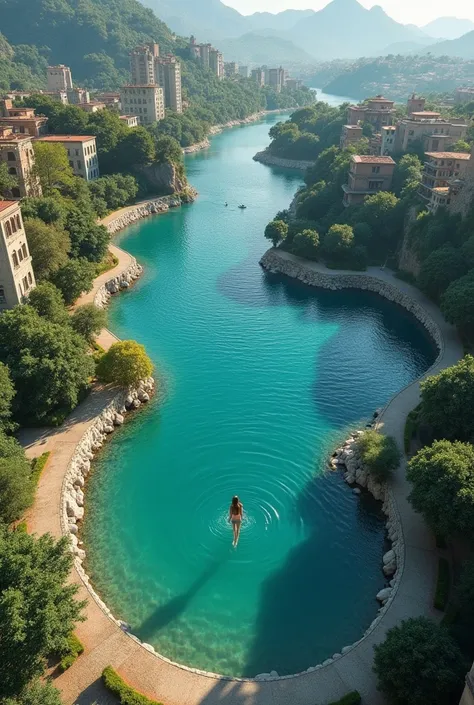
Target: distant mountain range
343 29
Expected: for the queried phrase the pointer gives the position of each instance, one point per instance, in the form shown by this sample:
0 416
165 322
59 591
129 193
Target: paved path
106 644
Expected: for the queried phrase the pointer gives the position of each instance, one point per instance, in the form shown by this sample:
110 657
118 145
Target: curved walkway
106 644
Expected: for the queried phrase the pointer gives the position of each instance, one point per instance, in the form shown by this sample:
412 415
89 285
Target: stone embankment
143 210
118 283
277 262
348 458
270 159
72 495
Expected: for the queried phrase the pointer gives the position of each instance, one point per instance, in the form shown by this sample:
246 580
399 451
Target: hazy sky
417 11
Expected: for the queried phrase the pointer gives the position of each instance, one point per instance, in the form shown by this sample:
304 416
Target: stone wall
143 210
118 283
273 261
266 157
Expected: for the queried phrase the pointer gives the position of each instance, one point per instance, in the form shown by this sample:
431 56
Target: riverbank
265 157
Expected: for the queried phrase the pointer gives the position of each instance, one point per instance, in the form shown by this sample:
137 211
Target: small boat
242 207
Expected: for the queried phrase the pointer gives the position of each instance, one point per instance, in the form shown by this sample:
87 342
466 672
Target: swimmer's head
235 501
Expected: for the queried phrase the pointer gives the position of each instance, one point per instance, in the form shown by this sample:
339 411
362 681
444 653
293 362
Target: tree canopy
125 363
52 166
49 247
276 231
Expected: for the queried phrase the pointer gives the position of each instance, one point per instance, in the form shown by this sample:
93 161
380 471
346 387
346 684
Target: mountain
462 47
411 47
208 20
257 49
281 21
448 28
345 29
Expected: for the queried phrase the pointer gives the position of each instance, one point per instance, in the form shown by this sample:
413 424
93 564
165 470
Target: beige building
146 102
130 120
81 151
23 121
77 96
16 273
216 62
276 78
17 151
168 77
428 128
258 75
415 104
441 168
367 175
468 694
378 111
350 135
93 106
59 78
142 64
209 57
383 143
231 68
464 95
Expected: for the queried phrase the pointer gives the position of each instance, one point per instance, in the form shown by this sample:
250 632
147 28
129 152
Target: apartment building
440 170
294 83
93 106
168 77
367 175
81 151
23 121
231 68
415 104
209 57
78 96
216 62
17 151
244 71
431 130
16 272
464 95
258 75
276 78
350 135
59 78
383 143
146 102
142 64
378 111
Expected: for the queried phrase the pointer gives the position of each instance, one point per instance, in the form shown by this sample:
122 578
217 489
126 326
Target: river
259 377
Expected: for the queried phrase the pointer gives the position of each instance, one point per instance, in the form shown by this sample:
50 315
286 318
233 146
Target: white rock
326 662
148 647
274 674
262 677
356 490
143 396
345 650
79 553
136 403
119 419
388 557
390 568
384 594
73 529
109 429
79 481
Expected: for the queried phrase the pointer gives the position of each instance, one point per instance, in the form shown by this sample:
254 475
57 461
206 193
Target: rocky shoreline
152 207
265 157
276 262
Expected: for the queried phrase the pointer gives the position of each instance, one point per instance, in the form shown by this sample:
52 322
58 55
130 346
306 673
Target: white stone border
269 159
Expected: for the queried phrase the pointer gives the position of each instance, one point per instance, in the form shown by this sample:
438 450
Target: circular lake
259 378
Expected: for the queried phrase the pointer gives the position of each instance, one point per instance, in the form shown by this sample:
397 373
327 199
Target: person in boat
226 204
236 514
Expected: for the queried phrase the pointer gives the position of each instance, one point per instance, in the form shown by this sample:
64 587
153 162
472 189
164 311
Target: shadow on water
172 610
293 630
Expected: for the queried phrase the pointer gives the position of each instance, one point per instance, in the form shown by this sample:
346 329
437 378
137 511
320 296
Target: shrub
88 321
419 663
306 244
446 397
443 486
6 398
457 303
352 698
37 467
72 653
379 453
276 231
443 585
122 691
125 363
439 269
36 693
16 488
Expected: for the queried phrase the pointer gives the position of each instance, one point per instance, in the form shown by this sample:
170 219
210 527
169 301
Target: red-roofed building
81 151
378 111
23 121
367 175
440 170
16 272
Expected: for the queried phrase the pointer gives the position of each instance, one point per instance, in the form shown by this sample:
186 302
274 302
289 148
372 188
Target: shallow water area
259 377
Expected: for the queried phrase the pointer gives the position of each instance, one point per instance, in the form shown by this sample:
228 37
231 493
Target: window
24 251
3 299
13 224
375 185
8 228
411 132
12 170
15 259
71 163
11 156
30 278
25 283
375 170
79 164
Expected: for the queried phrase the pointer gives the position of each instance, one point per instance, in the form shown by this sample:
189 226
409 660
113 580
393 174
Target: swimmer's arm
242 511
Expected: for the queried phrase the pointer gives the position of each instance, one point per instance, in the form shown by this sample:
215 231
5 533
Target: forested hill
94 37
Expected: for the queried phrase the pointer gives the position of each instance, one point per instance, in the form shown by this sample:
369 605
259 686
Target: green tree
457 303
48 209
88 321
339 239
276 231
464 594
49 247
37 606
88 239
443 486
461 146
125 363
7 394
7 181
419 663
48 302
135 149
439 269
48 363
52 166
407 170
467 251
306 244
445 398
380 454
74 278
16 488
36 693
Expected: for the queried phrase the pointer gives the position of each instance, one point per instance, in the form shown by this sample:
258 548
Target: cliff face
408 260
164 178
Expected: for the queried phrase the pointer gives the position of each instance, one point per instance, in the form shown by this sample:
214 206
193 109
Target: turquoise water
259 377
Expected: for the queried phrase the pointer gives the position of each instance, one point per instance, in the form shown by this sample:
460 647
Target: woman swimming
236 514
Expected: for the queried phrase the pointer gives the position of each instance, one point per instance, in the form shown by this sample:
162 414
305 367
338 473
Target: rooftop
425 114
388 127
352 127
441 190
6 204
368 159
15 137
141 85
461 156
66 138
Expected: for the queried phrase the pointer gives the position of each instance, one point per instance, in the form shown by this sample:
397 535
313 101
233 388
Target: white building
16 273
59 78
146 102
129 120
81 151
